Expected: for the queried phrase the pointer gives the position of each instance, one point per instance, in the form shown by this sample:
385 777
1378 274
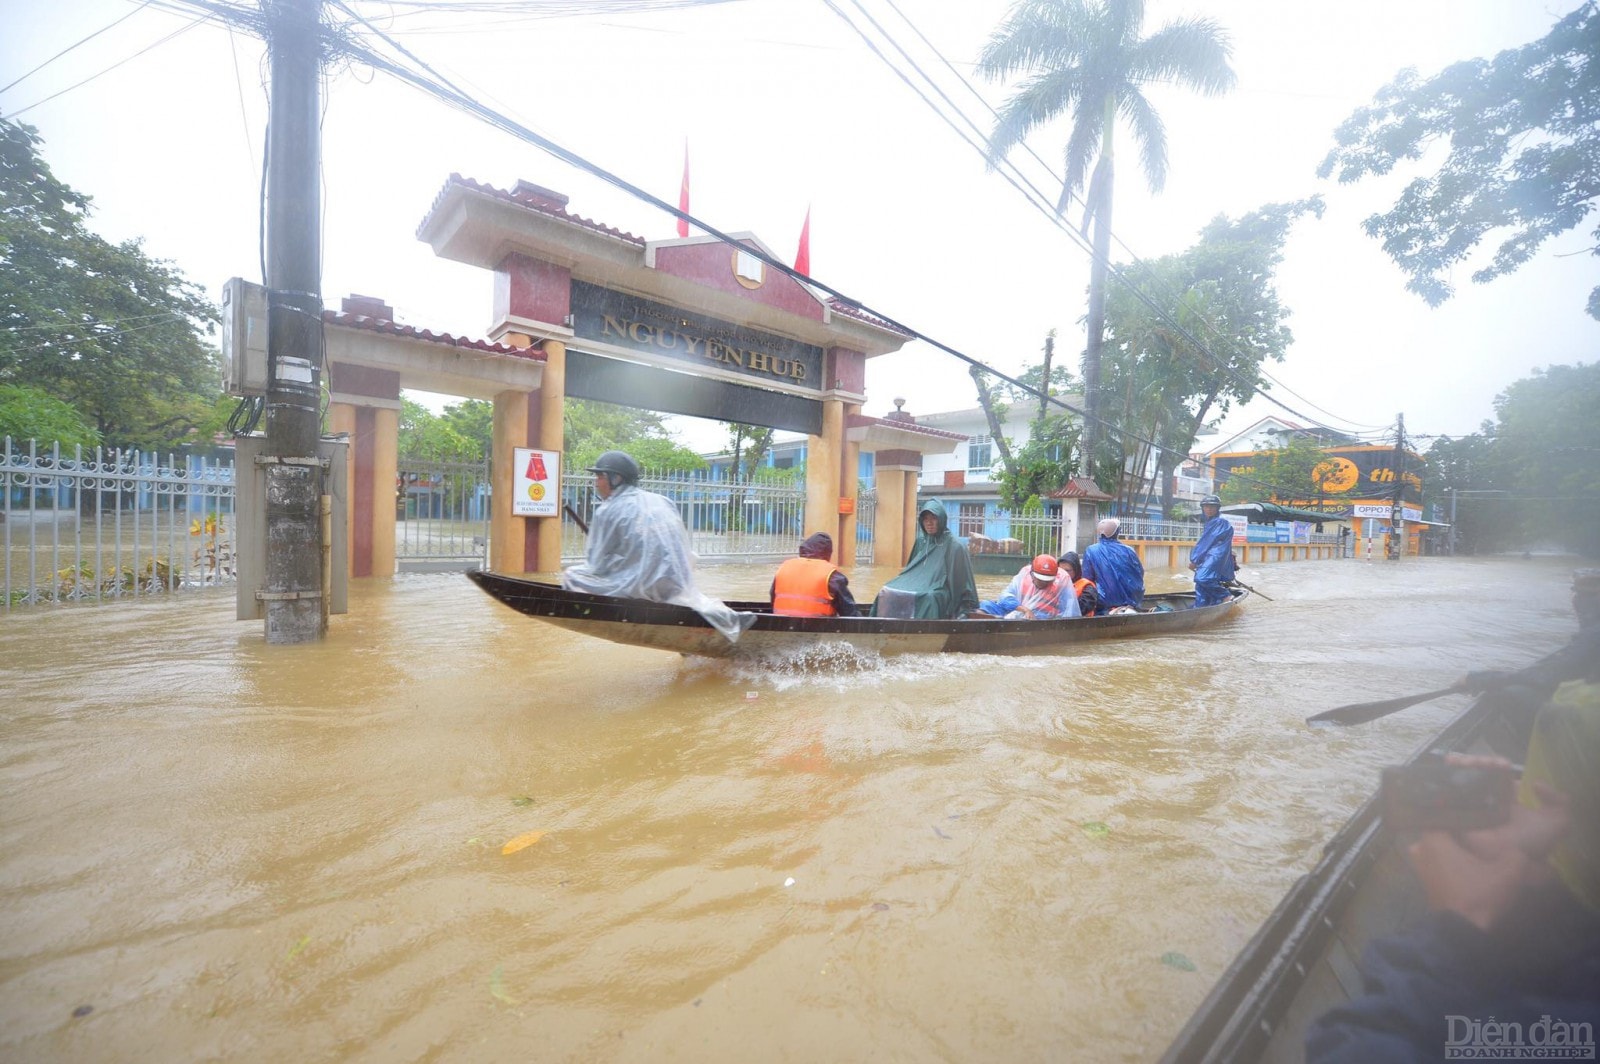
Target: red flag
802 258
683 193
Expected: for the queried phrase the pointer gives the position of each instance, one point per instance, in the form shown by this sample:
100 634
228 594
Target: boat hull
1303 959
665 626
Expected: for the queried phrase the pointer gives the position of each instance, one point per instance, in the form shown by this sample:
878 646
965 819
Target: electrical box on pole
244 338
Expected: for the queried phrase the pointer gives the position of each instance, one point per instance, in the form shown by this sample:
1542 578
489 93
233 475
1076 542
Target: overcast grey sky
784 106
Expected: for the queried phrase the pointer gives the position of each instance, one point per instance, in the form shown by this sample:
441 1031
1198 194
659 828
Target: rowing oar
1247 587
575 518
1362 712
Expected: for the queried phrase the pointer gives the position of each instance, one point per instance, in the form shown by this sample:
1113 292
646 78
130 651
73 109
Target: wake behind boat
670 627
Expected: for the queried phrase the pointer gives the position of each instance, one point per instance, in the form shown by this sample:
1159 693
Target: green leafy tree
1049 456
430 437
593 428
1289 475
1044 462
103 327
1524 136
29 414
1086 58
1169 373
1547 453
1464 478
472 420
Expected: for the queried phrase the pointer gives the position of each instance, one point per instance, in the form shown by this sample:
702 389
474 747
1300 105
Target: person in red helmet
1036 593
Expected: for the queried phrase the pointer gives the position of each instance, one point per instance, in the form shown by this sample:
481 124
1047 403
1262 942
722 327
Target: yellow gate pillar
508 550
551 435
849 490
823 455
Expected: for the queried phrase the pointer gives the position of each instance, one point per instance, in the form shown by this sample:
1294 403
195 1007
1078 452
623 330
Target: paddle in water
1362 712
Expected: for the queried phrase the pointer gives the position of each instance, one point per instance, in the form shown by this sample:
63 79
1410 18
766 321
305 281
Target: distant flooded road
218 850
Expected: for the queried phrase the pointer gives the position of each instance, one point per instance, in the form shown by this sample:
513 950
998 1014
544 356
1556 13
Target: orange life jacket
801 588
1077 589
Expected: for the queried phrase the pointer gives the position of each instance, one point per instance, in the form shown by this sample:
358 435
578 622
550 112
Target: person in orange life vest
1035 594
811 585
1088 594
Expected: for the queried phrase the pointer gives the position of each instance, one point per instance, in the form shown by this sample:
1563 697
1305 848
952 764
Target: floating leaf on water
1095 829
521 800
294 950
1178 961
497 988
522 842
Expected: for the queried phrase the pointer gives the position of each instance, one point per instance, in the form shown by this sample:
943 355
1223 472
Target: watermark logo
1467 1038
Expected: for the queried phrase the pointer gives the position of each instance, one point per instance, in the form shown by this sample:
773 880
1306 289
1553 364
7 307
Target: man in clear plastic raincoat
638 548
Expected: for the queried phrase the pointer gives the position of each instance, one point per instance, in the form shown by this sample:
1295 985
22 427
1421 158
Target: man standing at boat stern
1115 569
1211 561
638 548
810 585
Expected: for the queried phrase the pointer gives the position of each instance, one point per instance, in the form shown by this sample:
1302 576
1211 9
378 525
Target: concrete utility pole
294 473
1396 508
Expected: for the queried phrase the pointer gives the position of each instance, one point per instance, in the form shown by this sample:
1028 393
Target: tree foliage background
1531 477
119 337
1168 373
1524 156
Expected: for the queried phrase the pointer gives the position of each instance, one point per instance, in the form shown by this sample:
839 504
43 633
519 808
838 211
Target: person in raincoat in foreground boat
938 573
1115 568
638 548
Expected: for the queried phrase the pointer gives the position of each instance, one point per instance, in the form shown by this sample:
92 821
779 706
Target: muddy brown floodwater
214 849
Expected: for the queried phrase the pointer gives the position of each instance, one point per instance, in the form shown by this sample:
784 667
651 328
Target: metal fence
725 519
89 526
442 515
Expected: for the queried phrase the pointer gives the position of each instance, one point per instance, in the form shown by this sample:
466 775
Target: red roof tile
859 421
1080 488
531 200
850 310
380 325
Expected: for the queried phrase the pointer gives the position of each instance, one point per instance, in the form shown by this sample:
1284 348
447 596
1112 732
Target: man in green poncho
939 571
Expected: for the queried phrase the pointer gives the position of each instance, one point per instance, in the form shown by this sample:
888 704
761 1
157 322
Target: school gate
687 326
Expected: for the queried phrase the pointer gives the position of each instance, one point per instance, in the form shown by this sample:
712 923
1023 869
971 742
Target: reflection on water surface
236 851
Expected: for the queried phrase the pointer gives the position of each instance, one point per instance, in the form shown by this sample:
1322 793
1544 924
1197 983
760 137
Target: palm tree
1086 57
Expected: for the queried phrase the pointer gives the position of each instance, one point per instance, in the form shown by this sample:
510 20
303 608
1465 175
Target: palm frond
1150 132
1193 52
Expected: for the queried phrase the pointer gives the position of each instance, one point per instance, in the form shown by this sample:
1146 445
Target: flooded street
239 852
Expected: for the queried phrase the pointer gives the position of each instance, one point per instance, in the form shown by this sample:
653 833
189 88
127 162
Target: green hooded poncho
939 571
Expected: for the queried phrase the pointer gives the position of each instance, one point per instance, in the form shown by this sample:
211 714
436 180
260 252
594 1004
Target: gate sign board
537 492
692 341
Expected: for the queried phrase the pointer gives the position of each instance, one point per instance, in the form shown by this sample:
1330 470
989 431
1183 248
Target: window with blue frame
980 454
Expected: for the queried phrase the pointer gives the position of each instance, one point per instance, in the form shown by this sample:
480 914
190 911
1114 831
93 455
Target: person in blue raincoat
1115 568
1211 560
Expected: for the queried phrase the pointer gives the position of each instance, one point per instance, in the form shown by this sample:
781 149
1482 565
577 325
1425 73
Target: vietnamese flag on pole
683 193
802 257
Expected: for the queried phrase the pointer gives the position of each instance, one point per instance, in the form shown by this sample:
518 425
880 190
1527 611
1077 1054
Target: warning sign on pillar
537 491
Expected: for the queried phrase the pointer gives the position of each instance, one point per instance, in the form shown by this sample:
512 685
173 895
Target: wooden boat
670 627
1303 959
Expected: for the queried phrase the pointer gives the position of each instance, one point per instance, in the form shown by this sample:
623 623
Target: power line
156 44
70 47
437 85
1211 326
